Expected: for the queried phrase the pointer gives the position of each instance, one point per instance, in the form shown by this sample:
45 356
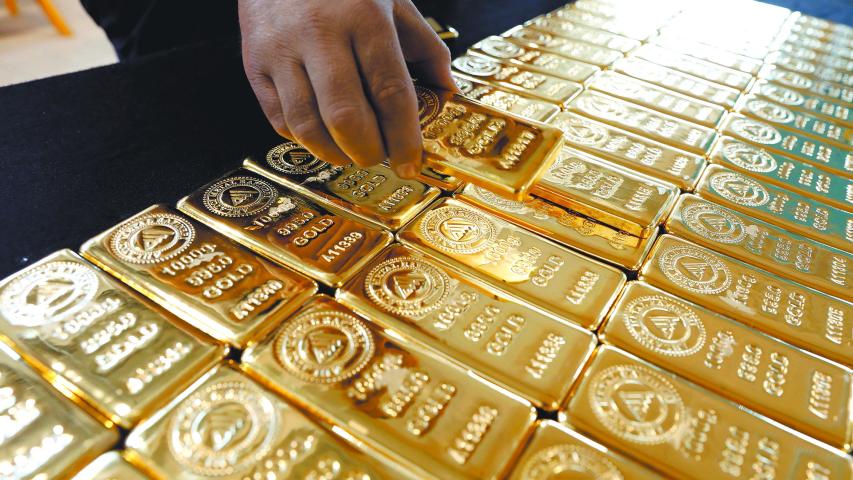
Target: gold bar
505 99
374 194
677 81
816 57
693 66
784 172
620 25
443 181
498 48
325 243
798 315
686 431
89 335
794 145
813 43
711 54
44 434
226 426
110 466
771 377
630 150
583 33
535 356
555 449
564 226
198 274
805 84
785 209
431 417
813 105
658 98
614 196
802 123
517 262
579 50
518 78
805 67
479 144
643 121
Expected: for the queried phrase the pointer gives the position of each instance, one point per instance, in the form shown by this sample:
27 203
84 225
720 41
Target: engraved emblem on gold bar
583 33
583 51
630 150
477 143
677 81
504 99
515 261
92 336
432 417
693 66
110 466
817 106
771 377
43 435
551 63
806 84
711 54
783 208
555 449
643 121
530 354
799 122
658 98
801 316
198 274
686 431
325 243
226 426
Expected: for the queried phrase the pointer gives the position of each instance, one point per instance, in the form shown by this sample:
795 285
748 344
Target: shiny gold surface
783 208
226 426
556 450
477 143
530 354
429 416
693 66
515 261
92 336
629 150
644 121
686 431
803 123
110 466
579 50
658 98
43 434
504 99
807 85
543 61
771 377
801 316
813 70
324 243
622 26
583 33
766 246
565 226
717 55
373 194
614 196
198 274
837 112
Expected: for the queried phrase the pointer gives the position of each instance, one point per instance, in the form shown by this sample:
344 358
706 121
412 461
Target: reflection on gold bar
373 194
693 66
530 354
517 262
583 51
630 28
658 98
432 417
43 434
777 206
774 249
324 243
807 68
711 54
110 466
643 121
479 144
630 150
771 377
677 81
686 431
826 48
517 77
803 123
614 196
820 107
198 274
816 56
228 427
91 336
801 316
554 64
564 226
555 450
781 171
435 179
832 91
583 33
504 99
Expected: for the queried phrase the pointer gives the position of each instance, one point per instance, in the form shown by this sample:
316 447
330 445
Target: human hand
332 75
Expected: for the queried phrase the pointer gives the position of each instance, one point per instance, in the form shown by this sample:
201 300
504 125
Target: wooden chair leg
54 16
12 6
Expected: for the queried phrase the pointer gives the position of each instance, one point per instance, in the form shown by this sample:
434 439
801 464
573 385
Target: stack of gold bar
628 256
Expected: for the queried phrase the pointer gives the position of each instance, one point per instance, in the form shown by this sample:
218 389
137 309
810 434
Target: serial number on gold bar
694 66
504 99
579 50
583 33
677 81
825 131
438 422
110 466
516 261
546 62
811 104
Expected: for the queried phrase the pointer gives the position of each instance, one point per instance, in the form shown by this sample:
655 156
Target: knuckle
391 90
306 128
342 116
